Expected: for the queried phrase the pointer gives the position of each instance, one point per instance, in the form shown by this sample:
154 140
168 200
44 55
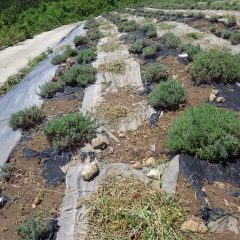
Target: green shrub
150 52
86 55
215 66
226 34
213 28
6 171
34 228
48 89
69 130
167 95
128 26
150 30
138 46
214 18
68 52
79 75
192 50
171 40
26 118
218 33
80 40
235 38
155 73
209 132
94 34
231 21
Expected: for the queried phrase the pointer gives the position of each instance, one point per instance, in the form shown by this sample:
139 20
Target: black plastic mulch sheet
51 170
231 93
196 170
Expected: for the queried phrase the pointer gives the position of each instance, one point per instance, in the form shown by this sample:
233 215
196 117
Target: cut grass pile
115 67
130 209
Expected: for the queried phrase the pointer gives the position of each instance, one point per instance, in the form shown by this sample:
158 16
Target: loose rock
220 99
212 97
215 92
90 171
194 226
137 165
150 162
156 173
100 142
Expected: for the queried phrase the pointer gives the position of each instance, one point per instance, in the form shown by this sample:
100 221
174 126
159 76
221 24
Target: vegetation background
22 19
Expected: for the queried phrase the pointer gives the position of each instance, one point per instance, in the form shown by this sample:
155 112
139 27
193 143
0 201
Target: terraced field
128 130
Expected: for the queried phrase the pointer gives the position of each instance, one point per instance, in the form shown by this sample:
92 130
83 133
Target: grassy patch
26 118
231 20
167 95
215 66
155 73
166 26
115 67
69 130
110 47
113 112
192 36
47 90
235 38
209 132
35 227
16 78
192 50
130 209
79 75
128 26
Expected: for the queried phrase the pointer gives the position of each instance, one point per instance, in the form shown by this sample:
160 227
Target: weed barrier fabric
196 170
25 95
51 169
231 93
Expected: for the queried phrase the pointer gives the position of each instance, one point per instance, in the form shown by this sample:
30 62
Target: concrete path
12 59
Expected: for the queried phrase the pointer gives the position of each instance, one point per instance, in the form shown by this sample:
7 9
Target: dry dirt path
12 59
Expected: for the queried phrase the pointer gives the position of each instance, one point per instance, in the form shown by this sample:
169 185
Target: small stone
111 150
100 142
153 147
37 200
121 135
150 162
215 92
137 165
220 99
193 226
90 171
156 173
212 97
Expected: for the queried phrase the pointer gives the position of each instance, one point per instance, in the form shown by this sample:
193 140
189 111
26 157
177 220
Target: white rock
215 92
183 55
220 99
90 171
212 97
100 142
194 226
156 173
